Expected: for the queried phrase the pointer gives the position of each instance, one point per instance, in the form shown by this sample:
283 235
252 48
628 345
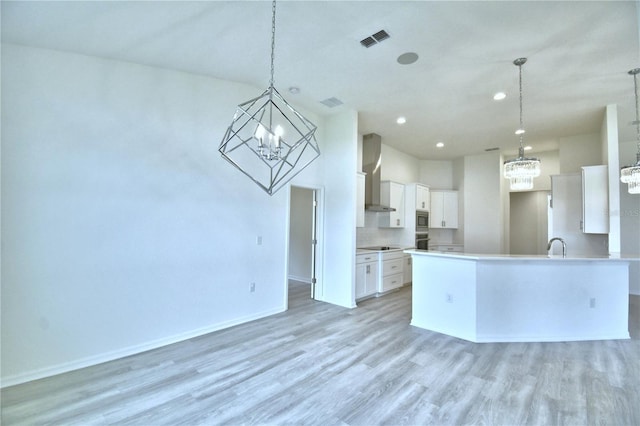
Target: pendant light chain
635 87
521 170
273 41
268 139
521 151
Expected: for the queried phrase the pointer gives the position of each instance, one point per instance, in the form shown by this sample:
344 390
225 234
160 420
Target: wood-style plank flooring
322 364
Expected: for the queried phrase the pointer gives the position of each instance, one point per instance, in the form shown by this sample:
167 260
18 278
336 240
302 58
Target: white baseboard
301 279
124 352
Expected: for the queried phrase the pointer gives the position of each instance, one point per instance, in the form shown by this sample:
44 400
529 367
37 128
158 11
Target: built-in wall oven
422 222
422 241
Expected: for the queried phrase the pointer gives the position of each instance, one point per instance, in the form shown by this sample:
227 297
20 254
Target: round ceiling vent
407 58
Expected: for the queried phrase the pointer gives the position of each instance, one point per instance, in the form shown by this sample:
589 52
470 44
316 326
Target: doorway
303 246
528 222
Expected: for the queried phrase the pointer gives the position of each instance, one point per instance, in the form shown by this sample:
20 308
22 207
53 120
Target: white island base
493 298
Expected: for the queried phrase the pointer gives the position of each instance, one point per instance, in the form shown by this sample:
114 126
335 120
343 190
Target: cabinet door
397 202
366 279
392 194
407 269
450 214
361 279
371 285
360 201
595 200
436 218
444 209
422 198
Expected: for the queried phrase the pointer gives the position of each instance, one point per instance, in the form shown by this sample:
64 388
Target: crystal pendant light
521 171
268 140
631 174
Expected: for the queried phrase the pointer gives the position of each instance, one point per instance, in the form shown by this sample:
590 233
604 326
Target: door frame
319 248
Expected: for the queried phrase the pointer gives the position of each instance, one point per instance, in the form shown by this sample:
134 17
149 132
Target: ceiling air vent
492 149
368 42
375 38
331 102
381 35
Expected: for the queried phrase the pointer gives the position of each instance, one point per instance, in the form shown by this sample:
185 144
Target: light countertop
507 257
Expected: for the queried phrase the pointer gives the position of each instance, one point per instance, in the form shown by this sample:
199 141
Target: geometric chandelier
521 171
268 140
631 174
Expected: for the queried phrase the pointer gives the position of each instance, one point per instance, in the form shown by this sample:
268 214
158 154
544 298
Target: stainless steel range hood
371 165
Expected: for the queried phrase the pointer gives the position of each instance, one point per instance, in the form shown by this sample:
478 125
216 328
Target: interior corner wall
122 227
578 151
483 201
458 183
340 161
398 166
437 174
609 145
629 219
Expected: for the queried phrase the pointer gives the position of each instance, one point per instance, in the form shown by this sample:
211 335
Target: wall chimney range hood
371 165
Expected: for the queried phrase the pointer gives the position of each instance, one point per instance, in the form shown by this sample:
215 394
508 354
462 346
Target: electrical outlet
259 240
592 302
449 298
252 288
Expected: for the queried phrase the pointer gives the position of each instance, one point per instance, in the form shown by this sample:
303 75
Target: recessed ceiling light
401 120
439 145
294 90
499 96
407 58
519 131
528 148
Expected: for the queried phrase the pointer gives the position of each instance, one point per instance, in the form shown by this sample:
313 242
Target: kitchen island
501 298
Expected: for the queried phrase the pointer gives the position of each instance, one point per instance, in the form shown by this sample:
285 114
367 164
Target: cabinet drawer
389 255
364 258
391 282
390 267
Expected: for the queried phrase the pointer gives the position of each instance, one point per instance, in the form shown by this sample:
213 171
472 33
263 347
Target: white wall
122 227
398 166
437 174
578 151
629 218
340 162
483 212
610 153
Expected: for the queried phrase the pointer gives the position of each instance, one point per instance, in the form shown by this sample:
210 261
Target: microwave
422 221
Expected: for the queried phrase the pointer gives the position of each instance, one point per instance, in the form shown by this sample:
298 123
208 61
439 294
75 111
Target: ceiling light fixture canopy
631 174
268 140
521 171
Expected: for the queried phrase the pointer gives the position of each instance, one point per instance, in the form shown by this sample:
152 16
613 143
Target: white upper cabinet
423 202
392 195
444 209
595 200
360 200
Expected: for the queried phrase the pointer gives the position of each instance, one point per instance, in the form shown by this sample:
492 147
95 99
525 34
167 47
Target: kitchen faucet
564 245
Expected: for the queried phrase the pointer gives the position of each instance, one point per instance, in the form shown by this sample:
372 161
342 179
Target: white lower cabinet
366 275
407 269
391 275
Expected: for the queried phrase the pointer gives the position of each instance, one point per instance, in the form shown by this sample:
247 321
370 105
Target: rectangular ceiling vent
331 102
375 38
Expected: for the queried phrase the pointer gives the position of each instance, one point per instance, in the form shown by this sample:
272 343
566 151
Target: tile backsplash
371 235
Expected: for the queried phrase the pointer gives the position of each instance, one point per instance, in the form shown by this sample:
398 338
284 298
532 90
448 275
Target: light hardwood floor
322 364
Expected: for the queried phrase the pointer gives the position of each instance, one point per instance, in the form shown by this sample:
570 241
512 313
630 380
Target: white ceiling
578 54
